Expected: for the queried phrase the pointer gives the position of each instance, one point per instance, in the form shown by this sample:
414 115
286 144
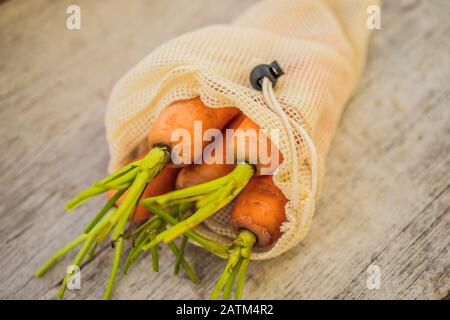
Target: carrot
134 177
247 143
181 115
244 146
184 115
259 208
258 213
214 164
197 174
250 144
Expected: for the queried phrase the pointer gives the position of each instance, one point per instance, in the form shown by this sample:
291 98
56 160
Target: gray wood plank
386 196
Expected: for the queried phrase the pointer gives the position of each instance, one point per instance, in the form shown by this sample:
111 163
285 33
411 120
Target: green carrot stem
180 202
135 251
239 254
180 255
219 198
76 263
129 203
217 248
216 196
245 240
83 196
104 210
115 267
122 178
230 283
137 174
118 181
92 251
120 172
187 268
181 227
155 259
232 262
197 190
90 238
241 278
145 225
59 254
137 243
144 237
194 220
182 208
150 166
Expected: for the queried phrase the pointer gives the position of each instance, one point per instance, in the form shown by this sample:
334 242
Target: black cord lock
272 71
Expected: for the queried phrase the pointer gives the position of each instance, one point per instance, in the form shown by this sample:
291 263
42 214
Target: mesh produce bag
321 46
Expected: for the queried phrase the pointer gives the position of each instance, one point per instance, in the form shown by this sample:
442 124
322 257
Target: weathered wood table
386 200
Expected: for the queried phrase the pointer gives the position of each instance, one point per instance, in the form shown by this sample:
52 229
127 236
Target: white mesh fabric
320 44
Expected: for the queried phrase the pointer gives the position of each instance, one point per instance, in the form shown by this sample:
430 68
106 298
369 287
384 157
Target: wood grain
386 199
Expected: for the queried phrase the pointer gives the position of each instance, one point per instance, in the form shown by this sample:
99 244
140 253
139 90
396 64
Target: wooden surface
386 199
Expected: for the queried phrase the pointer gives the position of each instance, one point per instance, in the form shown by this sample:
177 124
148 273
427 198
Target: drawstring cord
271 100
273 103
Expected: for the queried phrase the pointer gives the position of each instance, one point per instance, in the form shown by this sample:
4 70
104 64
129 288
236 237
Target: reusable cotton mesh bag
321 46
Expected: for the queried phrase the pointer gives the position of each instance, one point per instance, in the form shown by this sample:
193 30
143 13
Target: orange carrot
209 170
259 208
183 115
240 143
179 115
248 146
249 143
257 214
